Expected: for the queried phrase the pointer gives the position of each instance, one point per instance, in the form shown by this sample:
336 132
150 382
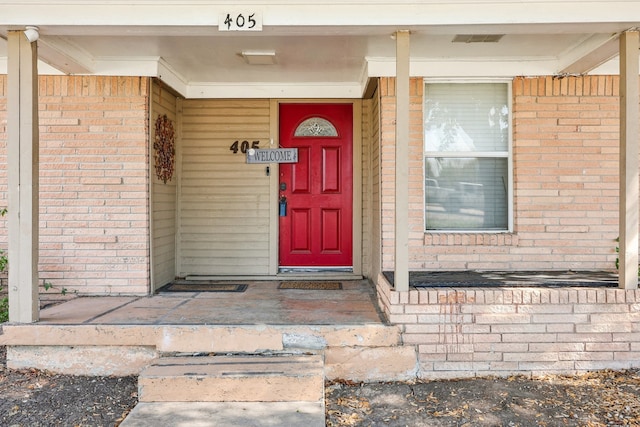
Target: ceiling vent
477 38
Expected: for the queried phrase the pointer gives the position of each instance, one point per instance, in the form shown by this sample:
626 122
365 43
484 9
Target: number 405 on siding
240 21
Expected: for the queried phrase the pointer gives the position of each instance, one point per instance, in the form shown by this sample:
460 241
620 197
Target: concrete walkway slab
226 414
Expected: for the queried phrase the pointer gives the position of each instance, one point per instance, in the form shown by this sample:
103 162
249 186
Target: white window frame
465 154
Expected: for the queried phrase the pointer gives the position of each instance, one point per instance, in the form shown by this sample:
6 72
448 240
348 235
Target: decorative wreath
164 146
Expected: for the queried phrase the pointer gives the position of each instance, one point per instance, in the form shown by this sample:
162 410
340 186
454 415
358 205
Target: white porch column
22 169
629 133
401 274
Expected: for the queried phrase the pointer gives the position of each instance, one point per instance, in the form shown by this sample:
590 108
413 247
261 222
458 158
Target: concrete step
253 378
226 414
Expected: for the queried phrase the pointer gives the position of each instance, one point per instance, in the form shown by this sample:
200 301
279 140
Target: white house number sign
240 21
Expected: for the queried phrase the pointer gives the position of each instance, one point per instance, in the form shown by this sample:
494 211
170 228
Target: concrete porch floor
121 335
261 303
264 303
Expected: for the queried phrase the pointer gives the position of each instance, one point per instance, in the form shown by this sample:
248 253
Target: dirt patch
35 398
602 398
606 398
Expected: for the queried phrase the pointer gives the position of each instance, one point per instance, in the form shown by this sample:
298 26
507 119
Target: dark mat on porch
202 286
489 279
311 285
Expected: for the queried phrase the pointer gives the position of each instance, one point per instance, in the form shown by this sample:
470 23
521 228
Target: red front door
316 230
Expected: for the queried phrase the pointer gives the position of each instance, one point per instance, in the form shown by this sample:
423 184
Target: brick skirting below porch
501 331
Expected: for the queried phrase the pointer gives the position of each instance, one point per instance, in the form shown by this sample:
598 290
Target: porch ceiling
328 48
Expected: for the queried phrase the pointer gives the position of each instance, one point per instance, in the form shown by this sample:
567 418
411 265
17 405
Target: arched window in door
316 126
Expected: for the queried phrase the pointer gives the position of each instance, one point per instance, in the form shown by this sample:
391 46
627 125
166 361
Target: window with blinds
467 156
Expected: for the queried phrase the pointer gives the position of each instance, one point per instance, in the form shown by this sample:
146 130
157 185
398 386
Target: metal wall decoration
164 147
316 126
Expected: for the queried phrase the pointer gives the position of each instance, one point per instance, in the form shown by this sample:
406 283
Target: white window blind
466 156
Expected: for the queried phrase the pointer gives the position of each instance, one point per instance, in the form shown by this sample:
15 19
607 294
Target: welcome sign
276 155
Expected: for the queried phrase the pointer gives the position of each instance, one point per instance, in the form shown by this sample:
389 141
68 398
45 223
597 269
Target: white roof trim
65 56
386 67
334 13
593 53
173 79
271 90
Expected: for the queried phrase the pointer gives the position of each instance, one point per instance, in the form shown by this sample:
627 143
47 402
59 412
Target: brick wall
533 331
387 173
566 145
565 160
375 223
93 182
368 127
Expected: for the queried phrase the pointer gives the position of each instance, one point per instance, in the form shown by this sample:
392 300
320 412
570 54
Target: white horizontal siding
224 202
163 197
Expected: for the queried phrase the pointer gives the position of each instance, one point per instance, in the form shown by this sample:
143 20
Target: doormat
203 286
496 279
320 286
